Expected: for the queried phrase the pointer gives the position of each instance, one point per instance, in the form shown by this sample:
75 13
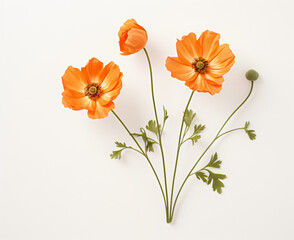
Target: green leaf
251 133
247 125
165 115
116 154
121 145
152 127
149 146
215 179
147 141
195 139
214 162
143 135
189 115
198 128
201 176
212 178
195 136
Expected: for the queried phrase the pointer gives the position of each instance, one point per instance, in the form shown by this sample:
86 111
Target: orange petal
179 70
184 54
213 89
209 41
110 76
192 45
74 93
75 103
223 60
92 70
211 78
122 40
136 40
202 85
130 23
107 97
74 79
198 84
100 111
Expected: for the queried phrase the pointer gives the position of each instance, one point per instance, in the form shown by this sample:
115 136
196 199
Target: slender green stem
143 153
230 131
150 139
136 150
252 84
162 128
159 133
178 153
216 137
211 144
185 133
183 141
188 175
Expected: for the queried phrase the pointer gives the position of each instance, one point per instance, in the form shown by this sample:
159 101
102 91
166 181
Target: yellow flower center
200 65
93 91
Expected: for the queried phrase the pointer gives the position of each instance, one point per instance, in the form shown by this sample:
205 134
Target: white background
57 180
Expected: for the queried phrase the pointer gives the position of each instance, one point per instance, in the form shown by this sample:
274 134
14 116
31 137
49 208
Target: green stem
136 150
252 84
183 141
143 153
161 131
159 134
178 153
150 139
230 131
211 144
216 137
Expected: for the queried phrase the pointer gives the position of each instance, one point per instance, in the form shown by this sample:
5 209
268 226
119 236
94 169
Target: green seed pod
252 75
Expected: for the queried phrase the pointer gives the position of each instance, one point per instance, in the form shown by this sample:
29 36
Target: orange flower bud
132 37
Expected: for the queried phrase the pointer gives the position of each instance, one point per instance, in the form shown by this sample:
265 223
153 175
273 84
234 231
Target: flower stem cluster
201 64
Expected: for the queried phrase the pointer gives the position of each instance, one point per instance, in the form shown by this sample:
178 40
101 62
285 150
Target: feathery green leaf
116 154
149 146
189 115
251 133
215 179
198 128
214 162
152 127
195 139
165 115
143 135
201 176
121 145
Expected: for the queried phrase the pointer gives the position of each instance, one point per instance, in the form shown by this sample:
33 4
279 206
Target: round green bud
252 75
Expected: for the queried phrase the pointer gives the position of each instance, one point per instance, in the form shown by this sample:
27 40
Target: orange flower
132 37
92 88
201 63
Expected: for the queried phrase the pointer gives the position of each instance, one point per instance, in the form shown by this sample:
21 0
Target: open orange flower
202 62
132 37
92 88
